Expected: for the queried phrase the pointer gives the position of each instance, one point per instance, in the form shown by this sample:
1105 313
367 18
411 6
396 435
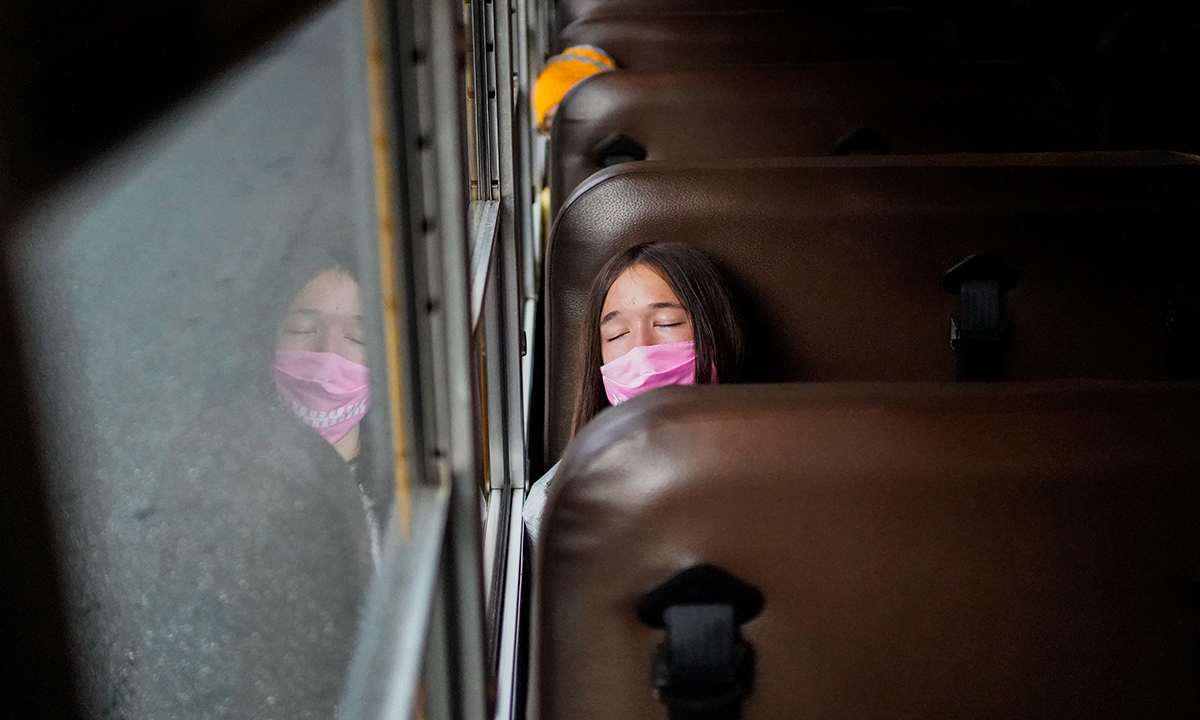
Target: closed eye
355 340
614 337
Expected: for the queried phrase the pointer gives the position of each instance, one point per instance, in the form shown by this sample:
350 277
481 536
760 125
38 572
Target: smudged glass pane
200 314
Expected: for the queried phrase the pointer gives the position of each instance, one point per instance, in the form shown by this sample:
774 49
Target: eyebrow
313 311
653 306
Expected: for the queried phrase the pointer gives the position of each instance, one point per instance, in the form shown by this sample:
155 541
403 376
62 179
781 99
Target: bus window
277 351
203 327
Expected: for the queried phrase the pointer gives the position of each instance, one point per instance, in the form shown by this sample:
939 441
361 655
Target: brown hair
702 291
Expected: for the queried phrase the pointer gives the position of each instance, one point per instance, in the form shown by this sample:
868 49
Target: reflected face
326 316
641 309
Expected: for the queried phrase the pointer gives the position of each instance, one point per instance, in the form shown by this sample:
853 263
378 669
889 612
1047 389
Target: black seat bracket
703 669
617 148
1183 324
978 334
862 140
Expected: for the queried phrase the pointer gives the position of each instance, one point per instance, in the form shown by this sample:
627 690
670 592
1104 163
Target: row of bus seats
871 535
1132 68
568 11
675 40
805 110
840 264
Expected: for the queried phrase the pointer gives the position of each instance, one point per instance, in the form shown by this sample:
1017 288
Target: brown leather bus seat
928 550
838 263
808 110
673 41
568 11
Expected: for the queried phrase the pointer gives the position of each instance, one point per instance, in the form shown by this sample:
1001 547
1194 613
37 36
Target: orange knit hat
561 74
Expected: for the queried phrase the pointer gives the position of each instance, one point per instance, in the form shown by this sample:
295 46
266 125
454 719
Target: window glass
200 316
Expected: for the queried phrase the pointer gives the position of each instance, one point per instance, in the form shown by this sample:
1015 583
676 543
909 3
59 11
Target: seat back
673 41
568 11
969 551
808 110
837 264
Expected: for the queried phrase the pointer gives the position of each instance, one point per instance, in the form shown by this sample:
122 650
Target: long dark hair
702 291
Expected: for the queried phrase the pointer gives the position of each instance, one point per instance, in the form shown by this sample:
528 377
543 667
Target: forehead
637 287
330 291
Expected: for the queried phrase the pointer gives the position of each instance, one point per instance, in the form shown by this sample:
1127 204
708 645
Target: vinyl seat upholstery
925 550
805 110
674 41
837 263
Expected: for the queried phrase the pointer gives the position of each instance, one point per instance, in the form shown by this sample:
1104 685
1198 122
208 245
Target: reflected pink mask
326 391
650 366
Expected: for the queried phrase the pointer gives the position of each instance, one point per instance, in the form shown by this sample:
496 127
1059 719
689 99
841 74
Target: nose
327 341
643 335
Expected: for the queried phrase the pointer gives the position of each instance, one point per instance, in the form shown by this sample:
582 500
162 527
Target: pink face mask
650 366
326 391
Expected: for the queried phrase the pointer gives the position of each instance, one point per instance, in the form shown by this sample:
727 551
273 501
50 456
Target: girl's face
326 316
641 309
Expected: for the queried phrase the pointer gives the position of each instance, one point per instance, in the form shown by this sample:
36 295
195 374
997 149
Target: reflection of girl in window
320 360
320 367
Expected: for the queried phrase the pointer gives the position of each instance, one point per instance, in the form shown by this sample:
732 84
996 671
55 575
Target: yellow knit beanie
562 72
